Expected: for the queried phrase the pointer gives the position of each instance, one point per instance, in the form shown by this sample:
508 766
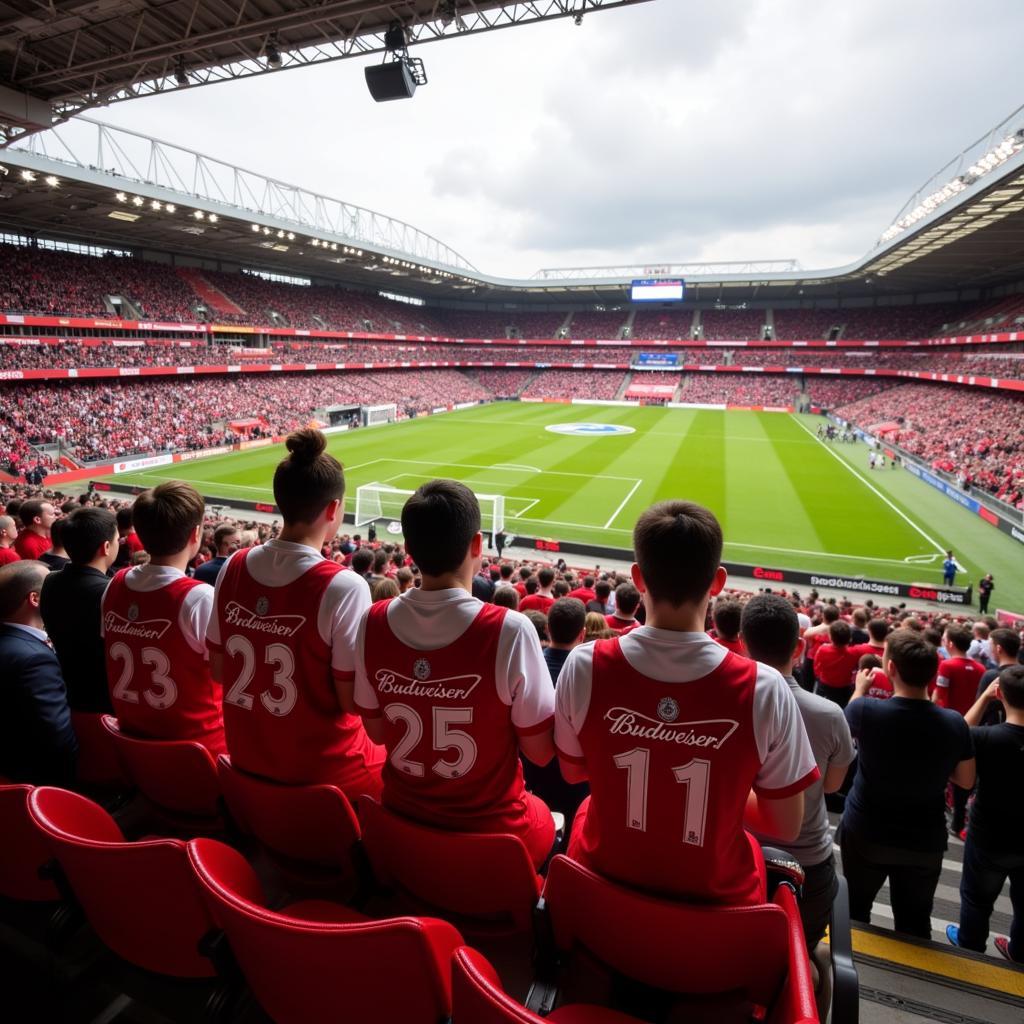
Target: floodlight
273 54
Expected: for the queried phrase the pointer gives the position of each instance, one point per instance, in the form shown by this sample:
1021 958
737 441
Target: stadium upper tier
34 355
39 281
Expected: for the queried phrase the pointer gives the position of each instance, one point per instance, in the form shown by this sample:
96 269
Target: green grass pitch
785 498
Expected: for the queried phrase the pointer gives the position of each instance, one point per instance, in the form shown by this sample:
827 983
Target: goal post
382 501
375 414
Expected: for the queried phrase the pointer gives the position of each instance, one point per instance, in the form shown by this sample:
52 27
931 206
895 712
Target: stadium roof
59 58
88 182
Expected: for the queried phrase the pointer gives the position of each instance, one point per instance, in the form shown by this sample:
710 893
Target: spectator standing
835 664
995 837
56 557
627 708
282 637
33 539
985 587
894 823
37 741
566 622
70 604
455 688
771 633
8 535
226 541
155 621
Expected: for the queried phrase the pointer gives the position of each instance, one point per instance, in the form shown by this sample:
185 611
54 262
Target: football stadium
357 595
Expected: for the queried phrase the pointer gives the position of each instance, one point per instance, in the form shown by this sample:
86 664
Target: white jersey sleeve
195 616
787 761
366 699
344 605
572 701
522 677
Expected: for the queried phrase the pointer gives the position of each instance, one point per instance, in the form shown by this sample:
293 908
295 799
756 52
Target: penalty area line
632 491
867 483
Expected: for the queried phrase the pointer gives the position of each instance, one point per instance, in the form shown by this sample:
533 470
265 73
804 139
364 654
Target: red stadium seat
313 825
98 763
178 777
322 962
757 952
140 898
478 998
22 850
484 879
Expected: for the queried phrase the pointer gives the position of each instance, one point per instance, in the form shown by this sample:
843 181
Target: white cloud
748 129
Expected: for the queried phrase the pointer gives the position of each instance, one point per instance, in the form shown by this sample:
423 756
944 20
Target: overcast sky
669 131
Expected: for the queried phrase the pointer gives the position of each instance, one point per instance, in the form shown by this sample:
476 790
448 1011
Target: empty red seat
98 763
321 962
482 878
141 899
178 777
478 998
312 824
757 952
22 849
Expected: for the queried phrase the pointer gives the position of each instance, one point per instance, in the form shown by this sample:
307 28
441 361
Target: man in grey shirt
771 631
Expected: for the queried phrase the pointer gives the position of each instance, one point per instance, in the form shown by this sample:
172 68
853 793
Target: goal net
381 501
374 414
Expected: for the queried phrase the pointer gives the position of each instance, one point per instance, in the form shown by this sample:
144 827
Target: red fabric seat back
177 775
311 971
22 849
98 763
678 947
140 898
315 824
471 874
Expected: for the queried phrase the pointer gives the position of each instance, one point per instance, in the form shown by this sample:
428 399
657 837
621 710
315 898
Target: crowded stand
607 324
980 442
110 420
739 389
733 324
599 384
40 281
656 324
534 739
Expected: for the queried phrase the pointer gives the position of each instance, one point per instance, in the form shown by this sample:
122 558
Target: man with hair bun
456 688
282 638
684 743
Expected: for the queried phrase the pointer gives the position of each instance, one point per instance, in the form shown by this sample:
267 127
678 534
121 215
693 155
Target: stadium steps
214 298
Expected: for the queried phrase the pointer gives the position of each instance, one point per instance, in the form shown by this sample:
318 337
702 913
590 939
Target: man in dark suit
70 606
37 741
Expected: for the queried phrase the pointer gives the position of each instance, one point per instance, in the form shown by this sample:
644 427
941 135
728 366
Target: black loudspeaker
390 81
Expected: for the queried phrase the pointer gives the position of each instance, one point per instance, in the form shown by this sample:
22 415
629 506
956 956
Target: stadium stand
733 324
597 325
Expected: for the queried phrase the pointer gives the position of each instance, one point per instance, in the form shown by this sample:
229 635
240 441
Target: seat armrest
782 868
845 984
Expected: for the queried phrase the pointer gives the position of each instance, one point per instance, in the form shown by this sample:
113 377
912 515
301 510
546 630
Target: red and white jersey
456 682
285 621
957 683
154 627
675 731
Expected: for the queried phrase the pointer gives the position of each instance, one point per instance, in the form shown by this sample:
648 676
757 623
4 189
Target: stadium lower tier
980 440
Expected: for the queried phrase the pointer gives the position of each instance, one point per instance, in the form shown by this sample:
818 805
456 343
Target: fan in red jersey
154 627
282 638
674 732
455 688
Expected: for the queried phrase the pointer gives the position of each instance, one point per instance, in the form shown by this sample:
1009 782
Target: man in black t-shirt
894 823
995 836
